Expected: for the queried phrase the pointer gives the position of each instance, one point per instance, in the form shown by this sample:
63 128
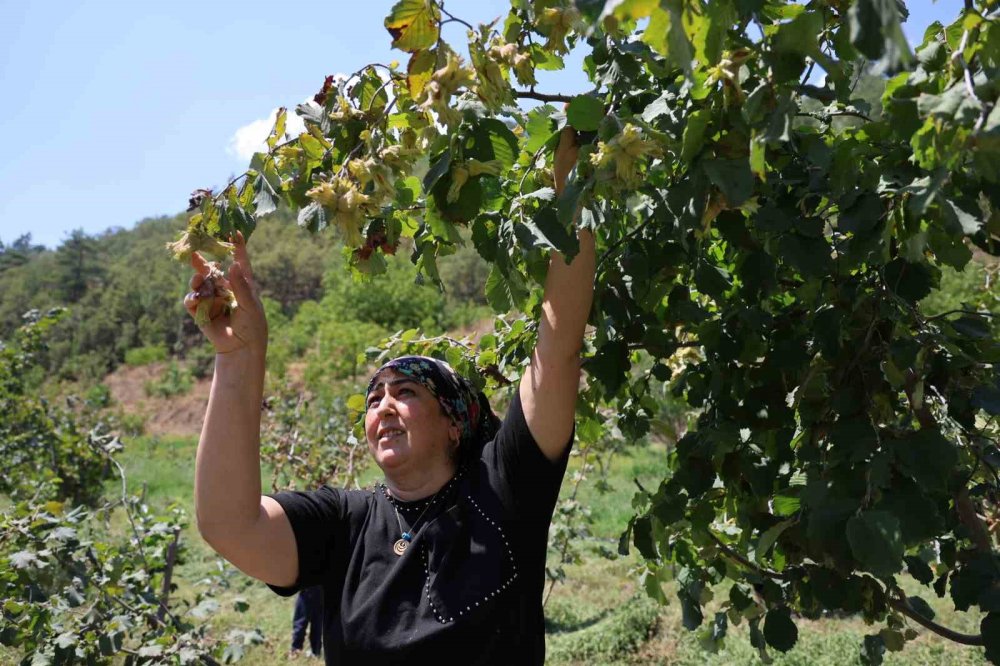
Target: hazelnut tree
765 242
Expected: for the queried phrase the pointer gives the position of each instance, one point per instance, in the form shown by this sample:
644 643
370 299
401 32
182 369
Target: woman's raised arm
247 529
549 387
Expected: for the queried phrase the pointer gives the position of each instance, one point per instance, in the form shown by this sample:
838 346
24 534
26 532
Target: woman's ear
454 433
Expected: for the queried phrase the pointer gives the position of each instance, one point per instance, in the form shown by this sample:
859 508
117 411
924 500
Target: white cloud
249 138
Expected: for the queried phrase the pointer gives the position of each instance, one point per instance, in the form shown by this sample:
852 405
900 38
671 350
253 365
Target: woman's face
405 425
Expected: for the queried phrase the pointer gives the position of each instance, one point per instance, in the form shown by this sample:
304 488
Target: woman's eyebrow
393 382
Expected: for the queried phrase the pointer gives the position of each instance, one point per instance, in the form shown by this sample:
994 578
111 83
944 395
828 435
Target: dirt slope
180 415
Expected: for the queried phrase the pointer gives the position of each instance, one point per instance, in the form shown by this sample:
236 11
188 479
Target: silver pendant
400 546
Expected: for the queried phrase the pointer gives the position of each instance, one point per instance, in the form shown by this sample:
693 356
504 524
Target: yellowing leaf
758 161
279 128
419 71
630 9
413 24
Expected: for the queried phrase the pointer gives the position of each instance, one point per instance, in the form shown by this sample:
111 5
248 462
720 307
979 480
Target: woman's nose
384 405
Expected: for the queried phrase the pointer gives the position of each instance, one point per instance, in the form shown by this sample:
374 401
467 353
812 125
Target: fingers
199 264
241 256
241 286
191 302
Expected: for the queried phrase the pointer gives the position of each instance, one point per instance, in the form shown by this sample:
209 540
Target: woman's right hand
245 327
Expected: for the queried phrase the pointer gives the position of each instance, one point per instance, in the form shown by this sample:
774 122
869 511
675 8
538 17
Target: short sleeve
320 522
531 479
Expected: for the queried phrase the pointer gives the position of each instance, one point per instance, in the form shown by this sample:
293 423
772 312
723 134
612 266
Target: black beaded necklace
406 536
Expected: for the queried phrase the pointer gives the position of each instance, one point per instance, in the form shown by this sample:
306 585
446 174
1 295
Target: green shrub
146 355
606 638
98 396
129 424
175 380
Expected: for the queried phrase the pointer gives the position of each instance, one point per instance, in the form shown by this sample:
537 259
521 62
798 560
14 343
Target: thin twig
452 19
732 554
825 117
542 97
968 312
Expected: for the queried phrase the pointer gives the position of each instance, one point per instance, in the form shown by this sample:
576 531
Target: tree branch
968 312
542 97
733 555
452 19
903 606
825 117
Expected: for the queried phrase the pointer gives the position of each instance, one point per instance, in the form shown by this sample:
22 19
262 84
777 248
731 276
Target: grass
597 617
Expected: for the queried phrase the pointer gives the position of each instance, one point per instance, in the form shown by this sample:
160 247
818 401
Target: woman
445 561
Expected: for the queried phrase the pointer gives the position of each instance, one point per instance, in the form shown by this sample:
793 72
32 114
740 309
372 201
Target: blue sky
116 110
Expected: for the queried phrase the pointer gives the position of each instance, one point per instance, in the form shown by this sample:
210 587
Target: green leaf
911 282
712 281
546 59
770 536
732 177
439 168
665 34
370 92
585 113
958 219
658 107
786 505
927 456
539 128
413 24
609 365
875 31
780 631
919 569
546 231
872 650
504 292
568 203
493 140
642 537
862 215
265 192
356 402
876 542
853 439
810 256
694 134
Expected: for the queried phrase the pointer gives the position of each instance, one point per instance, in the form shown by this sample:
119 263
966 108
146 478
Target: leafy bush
39 442
308 442
611 637
98 396
72 589
175 380
145 355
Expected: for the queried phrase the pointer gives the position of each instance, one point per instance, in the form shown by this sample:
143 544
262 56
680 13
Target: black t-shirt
467 590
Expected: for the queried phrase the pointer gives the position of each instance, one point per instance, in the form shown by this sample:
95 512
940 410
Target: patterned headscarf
461 402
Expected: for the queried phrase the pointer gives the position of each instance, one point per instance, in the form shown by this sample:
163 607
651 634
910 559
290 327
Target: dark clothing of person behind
308 612
467 590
